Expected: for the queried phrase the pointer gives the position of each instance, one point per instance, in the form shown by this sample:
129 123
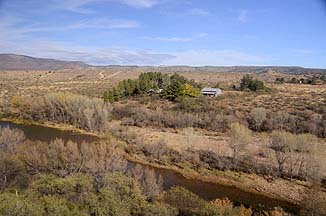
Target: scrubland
270 142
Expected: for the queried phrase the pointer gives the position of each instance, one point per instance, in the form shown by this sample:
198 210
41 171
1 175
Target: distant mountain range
21 62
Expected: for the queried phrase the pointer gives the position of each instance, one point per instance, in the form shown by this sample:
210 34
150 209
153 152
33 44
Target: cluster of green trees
280 80
168 87
314 80
250 84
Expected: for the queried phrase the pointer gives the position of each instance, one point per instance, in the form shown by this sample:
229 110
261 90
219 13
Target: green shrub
74 188
13 205
183 200
159 209
108 203
248 83
13 173
54 206
188 203
127 190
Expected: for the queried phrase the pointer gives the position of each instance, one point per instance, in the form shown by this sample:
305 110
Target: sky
167 32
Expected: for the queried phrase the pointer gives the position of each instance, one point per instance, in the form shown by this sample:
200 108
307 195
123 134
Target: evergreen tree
175 88
256 85
245 82
248 83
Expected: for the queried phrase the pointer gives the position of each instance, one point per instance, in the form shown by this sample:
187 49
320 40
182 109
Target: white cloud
83 6
139 3
243 16
187 12
177 39
303 52
89 54
87 24
215 57
127 56
17 29
78 6
15 40
198 12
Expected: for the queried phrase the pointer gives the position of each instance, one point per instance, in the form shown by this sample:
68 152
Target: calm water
210 191
36 132
205 190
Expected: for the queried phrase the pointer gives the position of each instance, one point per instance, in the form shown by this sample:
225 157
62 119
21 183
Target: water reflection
36 132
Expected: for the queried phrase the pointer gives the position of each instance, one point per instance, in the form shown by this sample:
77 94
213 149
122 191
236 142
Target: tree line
86 113
169 87
314 80
166 86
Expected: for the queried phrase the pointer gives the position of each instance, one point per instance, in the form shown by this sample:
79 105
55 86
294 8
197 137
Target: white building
212 92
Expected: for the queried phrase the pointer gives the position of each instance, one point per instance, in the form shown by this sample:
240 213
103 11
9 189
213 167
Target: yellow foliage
277 212
18 101
222 202
245 211
190 91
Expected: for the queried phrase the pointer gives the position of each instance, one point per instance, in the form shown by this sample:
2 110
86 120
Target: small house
155 91
212 92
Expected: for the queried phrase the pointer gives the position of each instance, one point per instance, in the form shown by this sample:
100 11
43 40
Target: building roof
208 89
155 90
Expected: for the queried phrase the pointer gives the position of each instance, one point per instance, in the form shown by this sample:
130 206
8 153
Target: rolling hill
21 62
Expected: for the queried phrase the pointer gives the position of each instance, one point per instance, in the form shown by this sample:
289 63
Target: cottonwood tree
158 149
258 116
281 119
313 150
190 136
240 138
10 139
296 155
281 144
151 183
10 168
66 158
86 113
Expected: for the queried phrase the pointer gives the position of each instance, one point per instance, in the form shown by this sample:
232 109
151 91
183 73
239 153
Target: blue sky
167 32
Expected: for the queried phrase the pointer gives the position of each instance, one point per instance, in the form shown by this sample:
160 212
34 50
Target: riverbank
289 192
280 189
61 127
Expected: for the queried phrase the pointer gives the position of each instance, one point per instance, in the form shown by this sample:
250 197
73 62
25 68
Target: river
208 191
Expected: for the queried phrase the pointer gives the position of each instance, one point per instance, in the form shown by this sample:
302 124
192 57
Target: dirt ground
94 81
